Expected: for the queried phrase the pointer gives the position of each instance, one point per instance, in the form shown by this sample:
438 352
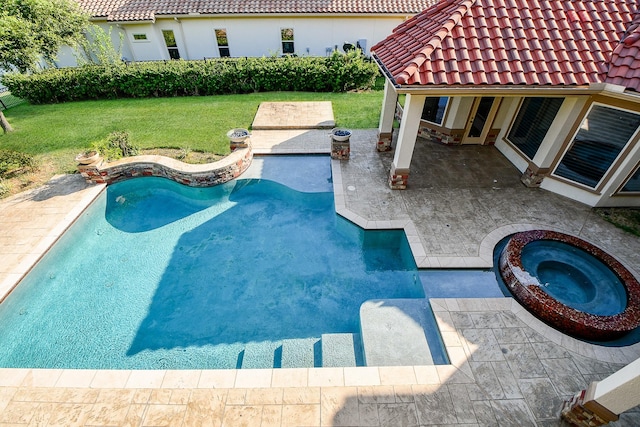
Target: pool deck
507 368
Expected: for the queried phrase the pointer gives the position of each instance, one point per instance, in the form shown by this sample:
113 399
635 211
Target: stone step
393 332
341 350
300 353
259 355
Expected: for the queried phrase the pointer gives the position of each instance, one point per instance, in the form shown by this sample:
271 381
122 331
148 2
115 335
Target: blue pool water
574 277
247 274
584 295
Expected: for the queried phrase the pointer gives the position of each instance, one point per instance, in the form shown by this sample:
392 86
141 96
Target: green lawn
60 131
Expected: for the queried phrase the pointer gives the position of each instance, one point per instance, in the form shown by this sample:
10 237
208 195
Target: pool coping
458 349
45 243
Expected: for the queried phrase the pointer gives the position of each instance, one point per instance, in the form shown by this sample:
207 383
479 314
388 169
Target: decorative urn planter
238 138
87 157
340 144
238 135
340 135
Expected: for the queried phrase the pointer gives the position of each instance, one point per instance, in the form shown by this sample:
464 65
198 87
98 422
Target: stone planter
340 135
340 144
238 138
88 157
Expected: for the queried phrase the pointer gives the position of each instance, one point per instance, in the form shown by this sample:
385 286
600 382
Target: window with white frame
602 136
532 123
286 37
434 109
140 37
223 42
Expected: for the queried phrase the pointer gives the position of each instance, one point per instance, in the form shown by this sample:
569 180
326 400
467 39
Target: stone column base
579 413
340 150
384 141
398 178
532 178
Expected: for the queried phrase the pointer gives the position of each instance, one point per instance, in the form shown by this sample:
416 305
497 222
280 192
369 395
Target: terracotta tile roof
136 10
624 67
517 42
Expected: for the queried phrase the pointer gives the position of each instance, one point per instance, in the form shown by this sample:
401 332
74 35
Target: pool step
341 350
393 332
258 355
300 353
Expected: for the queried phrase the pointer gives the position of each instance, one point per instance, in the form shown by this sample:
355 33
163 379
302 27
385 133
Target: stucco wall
250 36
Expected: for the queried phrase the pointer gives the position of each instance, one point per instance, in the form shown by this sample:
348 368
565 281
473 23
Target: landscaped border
193 175
527 290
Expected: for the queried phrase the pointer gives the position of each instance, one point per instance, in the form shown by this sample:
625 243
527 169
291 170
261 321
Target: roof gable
135 10
515 42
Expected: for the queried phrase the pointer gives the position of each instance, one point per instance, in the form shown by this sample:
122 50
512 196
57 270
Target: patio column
387 114
604 400
399 174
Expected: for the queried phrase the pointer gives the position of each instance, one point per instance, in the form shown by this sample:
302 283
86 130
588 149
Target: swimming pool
250 274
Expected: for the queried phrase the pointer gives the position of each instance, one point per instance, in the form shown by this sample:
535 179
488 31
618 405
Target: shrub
116 145
14 162
5 189
338 72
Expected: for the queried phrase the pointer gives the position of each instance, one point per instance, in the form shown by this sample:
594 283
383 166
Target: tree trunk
6 127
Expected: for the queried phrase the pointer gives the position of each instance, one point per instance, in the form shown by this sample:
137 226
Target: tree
4 124
35 29
30 29
97 47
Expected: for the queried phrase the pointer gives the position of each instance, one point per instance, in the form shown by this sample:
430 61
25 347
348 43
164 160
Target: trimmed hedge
336 73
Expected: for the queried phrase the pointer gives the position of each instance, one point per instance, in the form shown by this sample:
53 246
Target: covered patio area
462 200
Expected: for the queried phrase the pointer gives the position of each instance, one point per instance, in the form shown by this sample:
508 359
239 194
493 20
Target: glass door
480 120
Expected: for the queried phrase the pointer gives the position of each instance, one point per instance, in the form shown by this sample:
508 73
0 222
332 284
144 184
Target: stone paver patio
506 368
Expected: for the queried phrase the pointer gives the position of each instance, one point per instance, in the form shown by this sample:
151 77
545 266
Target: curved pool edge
526 289
193 175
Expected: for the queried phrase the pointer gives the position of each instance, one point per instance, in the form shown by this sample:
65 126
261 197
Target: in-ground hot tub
571 284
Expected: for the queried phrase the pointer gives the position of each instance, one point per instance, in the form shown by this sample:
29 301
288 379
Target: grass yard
56 133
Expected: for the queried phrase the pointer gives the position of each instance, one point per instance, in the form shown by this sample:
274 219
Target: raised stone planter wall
202 175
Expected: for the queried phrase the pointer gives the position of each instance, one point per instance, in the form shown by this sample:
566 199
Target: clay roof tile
559 42
135 10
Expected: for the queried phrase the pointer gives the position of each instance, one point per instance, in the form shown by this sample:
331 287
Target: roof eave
614 91
385 71
199 15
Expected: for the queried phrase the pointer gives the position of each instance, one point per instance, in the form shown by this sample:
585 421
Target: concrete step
259 355
300 353
341 350
393 332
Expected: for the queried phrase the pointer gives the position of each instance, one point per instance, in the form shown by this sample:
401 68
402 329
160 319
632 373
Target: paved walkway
294 115
506 368
32 221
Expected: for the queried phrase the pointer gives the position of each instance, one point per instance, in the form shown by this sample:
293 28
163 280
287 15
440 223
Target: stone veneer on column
384 141
398 178
581 411
532 178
